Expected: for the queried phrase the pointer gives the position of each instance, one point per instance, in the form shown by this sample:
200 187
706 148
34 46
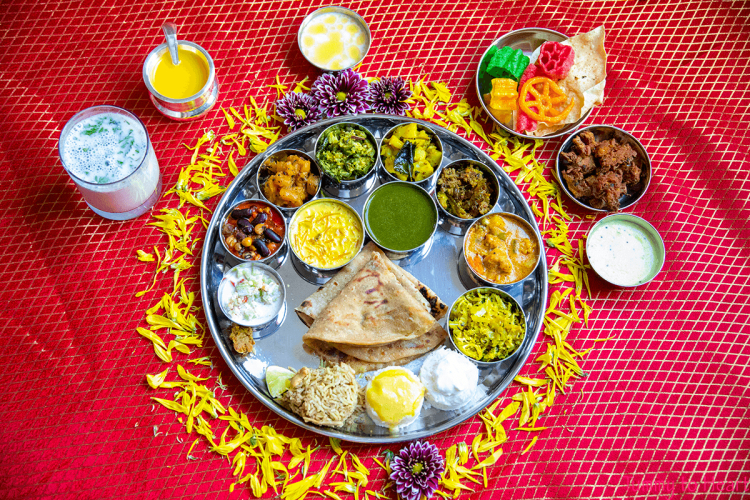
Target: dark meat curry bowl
452 223
602 176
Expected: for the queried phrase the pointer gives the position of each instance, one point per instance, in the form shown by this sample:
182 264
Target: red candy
523 122
556 59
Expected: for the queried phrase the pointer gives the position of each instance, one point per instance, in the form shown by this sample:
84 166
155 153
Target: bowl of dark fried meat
603 168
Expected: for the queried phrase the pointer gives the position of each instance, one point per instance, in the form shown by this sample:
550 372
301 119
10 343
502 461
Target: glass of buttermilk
108 154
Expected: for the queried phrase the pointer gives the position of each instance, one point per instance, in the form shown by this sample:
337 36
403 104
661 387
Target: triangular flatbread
374 308
311 307
396 350
330 354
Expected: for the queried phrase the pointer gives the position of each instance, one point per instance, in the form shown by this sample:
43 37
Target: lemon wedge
278 380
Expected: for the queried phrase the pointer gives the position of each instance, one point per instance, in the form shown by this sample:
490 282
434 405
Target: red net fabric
664 410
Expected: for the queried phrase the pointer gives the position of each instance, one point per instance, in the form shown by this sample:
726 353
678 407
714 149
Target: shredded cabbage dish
485 326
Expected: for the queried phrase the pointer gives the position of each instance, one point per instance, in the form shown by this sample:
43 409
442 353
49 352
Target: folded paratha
311 307
374 308
330 354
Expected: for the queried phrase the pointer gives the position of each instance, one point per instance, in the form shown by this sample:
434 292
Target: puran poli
374 308
311 307
396 350
586 80
330 354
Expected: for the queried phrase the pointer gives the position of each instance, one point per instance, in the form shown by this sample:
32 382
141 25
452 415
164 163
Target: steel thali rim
235 188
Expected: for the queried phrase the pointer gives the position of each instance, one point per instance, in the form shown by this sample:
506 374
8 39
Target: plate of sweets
536 82
335 310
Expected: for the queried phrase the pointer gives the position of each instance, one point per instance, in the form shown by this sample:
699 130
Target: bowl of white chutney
625 250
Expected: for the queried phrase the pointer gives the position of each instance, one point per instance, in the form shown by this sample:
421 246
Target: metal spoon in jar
170 32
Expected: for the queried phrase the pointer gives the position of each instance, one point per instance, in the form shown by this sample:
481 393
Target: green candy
507 63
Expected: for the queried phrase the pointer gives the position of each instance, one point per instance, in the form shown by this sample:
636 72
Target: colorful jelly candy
507 63
556 59
524 123
504 95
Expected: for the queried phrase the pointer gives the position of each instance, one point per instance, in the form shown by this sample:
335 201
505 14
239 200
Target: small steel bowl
308 271
649 233
412 252
527 40
189 108
451 223
386 176
274 259
514 304
355 187
607 132
262 175
478 278
221 294
340 10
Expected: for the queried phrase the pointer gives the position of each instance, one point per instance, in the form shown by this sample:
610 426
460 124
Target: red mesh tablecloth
664 410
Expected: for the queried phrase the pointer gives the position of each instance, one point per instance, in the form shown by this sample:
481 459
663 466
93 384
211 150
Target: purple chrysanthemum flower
416 470
298 110
388 95
344 93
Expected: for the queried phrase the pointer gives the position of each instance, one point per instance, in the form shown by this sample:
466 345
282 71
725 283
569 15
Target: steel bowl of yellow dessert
334 38
325 235
501 249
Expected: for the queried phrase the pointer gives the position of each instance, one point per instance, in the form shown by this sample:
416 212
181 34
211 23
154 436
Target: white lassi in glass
107 152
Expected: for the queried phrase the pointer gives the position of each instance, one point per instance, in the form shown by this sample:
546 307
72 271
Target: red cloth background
664 412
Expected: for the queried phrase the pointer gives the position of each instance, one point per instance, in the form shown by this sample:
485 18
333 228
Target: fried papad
374 308
586 80
311 307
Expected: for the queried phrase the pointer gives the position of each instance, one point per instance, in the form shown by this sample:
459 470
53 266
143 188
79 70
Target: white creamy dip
450 379
622 253
250 295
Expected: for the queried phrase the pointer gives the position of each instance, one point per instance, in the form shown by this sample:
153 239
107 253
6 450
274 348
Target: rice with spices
325 396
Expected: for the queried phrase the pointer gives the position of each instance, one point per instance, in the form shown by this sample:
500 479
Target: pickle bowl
261 326
427 183
475 276
452 223
452 332
263 174
346 188
309 271
248 246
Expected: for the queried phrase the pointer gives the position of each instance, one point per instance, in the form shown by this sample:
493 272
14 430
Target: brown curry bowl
528 228
602 132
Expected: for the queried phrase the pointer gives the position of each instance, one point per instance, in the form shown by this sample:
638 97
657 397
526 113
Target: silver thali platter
438 268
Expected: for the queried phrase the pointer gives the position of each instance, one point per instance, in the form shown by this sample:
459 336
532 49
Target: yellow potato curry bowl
501 249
